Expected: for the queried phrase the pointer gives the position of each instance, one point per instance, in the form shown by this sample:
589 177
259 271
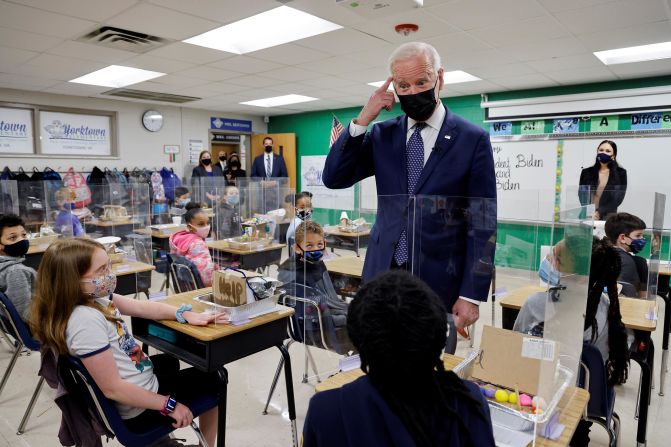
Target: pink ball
525 400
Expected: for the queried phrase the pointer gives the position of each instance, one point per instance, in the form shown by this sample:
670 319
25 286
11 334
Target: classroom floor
249 382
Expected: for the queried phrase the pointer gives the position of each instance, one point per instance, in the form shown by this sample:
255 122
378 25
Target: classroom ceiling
509 44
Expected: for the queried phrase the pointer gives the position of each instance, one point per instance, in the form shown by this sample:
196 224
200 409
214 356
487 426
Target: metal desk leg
221 427
290 393
665 344
644 402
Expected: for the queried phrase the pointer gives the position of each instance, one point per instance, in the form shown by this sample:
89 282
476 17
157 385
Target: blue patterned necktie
269 170
414 153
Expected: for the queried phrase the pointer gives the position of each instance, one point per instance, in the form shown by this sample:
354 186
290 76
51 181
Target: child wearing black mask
16 279
306 276
303 212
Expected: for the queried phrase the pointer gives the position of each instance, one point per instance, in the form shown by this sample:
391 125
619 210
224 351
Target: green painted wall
313 130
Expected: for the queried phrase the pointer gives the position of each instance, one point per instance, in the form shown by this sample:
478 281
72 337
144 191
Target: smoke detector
406 28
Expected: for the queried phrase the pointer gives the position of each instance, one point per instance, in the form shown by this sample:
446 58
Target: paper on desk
506 437
123 268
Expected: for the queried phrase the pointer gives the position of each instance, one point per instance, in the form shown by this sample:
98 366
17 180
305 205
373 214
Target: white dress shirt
429 136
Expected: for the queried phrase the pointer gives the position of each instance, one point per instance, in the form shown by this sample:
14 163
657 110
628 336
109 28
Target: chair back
184 273
13 325
595 380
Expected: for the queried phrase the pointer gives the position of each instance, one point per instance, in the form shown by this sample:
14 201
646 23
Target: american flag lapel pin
447 137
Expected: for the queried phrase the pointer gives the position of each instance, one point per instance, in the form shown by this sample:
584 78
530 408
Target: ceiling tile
333 65
487 58
225 87
208 73
31 82
521 32
329 81
581 75
491 71
69 88
472 14
189 53
292 74
289 54
628 37
565 5
534 80
366 75
42 22
96 10
245 64
152 86
155 63
232 11
162 22
254 81
539 49
475 87
12 57
612 16
328 10
91 52
429 26
341 41
371 58
567 62
453 44
179 81
59 67
27 41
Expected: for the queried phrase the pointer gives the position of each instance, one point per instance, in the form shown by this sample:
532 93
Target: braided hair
399 326
604 271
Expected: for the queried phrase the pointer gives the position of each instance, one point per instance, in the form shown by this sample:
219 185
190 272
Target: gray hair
413 49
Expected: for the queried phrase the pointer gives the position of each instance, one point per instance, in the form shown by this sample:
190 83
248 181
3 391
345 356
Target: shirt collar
435 120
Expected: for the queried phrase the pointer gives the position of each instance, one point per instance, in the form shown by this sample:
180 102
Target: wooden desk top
36 249
333 231
215 331
112 223
633 310
346 265
343 378
572 406
160 234
516 298
223 246
131 267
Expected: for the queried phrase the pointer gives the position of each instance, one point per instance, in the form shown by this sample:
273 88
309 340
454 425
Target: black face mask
234 165
222 159
419 106
268 149
206 161
17 249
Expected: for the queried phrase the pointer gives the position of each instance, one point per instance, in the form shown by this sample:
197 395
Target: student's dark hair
302 195
267 138
10 220
622 223
613 164
192 209
181 190
399 326
604 271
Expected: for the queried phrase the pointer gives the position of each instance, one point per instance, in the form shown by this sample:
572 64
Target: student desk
345 273
160 239
251 259
211 347
572 405
127 273
633 312
346 241
112 228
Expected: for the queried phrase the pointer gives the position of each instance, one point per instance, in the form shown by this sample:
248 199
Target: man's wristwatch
169 406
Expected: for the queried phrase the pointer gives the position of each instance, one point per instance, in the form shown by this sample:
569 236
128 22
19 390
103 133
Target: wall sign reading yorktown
16 131
75 134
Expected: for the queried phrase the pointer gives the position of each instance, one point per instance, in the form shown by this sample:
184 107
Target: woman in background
605 183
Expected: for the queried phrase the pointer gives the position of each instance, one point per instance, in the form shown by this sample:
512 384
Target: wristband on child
169 406
179 314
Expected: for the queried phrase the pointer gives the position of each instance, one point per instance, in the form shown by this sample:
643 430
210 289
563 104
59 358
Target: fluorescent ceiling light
267 29
279 101
451 77
117 76
640 53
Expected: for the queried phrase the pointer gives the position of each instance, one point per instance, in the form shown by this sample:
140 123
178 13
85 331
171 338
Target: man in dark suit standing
269 164
436 186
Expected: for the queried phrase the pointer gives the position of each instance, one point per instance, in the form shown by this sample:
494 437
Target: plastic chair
106 410
14 326
184 274
601 406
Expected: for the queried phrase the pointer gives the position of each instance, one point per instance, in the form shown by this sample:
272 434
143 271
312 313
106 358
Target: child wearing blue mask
625 231
227 219
307 277
67 223
182 197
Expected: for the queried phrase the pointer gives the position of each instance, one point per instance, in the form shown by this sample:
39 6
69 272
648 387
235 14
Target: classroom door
284 144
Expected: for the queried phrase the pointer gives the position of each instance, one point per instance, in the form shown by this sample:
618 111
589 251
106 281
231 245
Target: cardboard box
229 287
509 359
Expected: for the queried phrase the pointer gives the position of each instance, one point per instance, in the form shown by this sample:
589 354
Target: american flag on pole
336 130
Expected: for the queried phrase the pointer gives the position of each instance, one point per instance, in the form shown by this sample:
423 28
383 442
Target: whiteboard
646 159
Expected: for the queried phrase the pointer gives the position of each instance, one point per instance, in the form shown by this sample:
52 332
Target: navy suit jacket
279 167
451 219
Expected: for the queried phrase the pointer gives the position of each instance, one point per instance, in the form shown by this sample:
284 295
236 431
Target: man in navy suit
269 164
436 186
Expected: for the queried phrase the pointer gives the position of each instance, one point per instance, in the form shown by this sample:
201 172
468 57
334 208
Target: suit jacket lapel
446 137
